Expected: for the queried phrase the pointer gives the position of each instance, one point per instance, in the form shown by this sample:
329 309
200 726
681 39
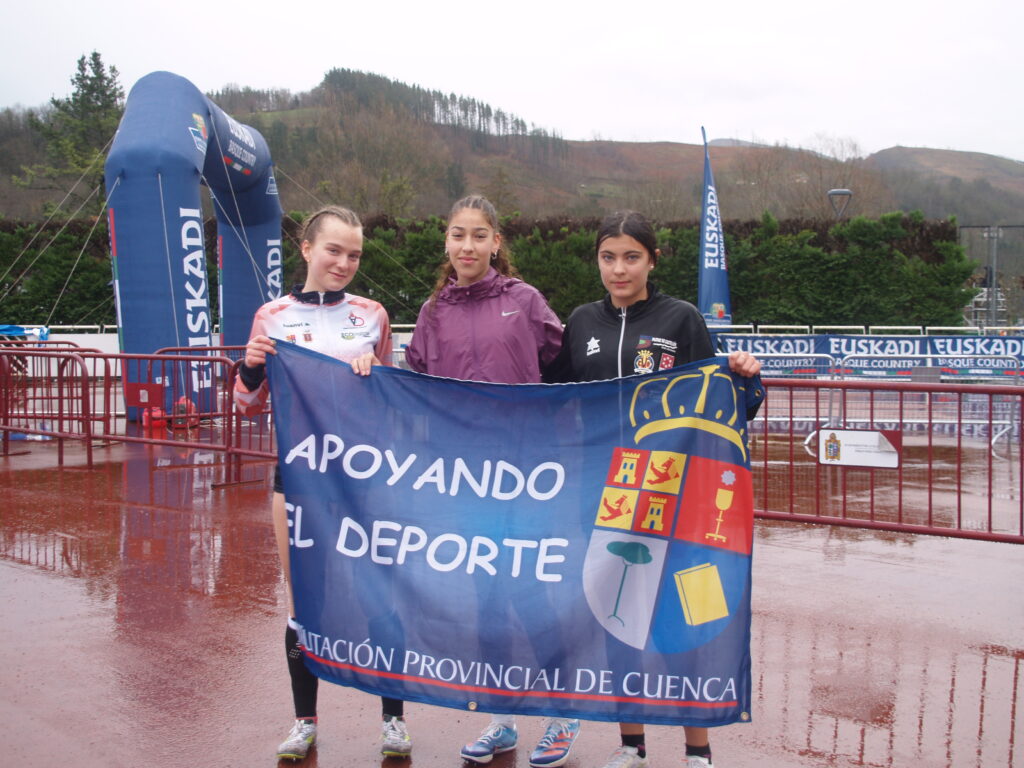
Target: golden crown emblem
659 405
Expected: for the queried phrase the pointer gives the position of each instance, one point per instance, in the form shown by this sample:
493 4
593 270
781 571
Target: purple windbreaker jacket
498 329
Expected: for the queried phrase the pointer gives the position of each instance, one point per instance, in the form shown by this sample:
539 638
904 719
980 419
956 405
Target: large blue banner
712 269
578 549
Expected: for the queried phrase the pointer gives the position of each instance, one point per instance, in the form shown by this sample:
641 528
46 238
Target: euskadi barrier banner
576 549
955 356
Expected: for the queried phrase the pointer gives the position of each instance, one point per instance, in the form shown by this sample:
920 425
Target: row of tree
893 270
375 92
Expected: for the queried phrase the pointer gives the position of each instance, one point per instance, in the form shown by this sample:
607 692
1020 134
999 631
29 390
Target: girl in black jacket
637 329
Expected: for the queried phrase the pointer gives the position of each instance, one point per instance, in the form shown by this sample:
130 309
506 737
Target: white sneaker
395 738
300 740
627 757
695 761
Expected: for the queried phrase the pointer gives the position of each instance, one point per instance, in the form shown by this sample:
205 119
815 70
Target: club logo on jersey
593 346
666 362
307 336
644 362
290 338
356 320
645 342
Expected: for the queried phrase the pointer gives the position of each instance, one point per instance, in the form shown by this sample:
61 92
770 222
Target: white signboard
860 447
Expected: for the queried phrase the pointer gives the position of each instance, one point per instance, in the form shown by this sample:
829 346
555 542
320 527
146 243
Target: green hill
383 146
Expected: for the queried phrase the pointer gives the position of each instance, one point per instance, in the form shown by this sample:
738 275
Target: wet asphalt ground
142 621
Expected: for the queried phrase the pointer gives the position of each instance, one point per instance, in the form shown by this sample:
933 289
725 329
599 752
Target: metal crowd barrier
959 457
234 352
959 471
97 398
44 395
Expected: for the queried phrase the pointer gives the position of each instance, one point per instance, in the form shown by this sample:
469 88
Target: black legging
305 684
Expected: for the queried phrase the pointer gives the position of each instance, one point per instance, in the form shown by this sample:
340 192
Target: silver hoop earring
494 257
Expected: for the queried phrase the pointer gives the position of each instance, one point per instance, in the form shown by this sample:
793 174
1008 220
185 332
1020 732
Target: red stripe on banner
522 694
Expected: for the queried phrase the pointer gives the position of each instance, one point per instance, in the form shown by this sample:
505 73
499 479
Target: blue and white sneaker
496 739
553 748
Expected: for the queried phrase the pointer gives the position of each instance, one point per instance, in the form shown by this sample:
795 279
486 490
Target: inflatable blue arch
171 140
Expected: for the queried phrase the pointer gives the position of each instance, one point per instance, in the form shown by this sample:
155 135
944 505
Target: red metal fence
94 399
959 457
959 461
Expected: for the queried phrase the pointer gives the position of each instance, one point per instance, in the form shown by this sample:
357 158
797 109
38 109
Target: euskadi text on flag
713 268
577 549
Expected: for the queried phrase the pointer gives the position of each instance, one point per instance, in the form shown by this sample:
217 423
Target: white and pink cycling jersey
337 324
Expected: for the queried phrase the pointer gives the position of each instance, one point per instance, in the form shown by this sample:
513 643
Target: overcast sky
879 73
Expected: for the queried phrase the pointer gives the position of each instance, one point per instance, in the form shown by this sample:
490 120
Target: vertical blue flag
713 272
574 549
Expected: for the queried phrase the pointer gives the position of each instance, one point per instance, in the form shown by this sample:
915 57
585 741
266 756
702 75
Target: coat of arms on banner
668 558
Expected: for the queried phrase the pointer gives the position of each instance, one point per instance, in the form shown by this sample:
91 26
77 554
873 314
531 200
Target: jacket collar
316 297
637 307
490 284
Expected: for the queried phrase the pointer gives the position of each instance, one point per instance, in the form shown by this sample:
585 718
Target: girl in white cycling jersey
319 315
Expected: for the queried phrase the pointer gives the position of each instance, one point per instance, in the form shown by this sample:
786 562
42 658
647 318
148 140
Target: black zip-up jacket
602 341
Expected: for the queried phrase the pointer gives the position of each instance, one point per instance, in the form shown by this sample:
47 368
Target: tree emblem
632 553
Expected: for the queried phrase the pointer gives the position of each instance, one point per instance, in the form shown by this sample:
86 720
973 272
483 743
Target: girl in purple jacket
482 323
